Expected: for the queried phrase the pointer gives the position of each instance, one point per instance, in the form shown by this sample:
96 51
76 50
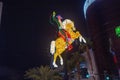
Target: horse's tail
52 47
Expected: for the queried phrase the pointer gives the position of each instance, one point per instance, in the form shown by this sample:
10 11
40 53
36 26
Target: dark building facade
102 17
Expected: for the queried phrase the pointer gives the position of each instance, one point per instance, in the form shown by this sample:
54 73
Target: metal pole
65 65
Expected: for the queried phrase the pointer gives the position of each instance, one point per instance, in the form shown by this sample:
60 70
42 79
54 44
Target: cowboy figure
62 32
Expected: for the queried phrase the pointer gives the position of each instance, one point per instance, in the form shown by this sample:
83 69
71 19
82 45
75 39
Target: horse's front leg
82 39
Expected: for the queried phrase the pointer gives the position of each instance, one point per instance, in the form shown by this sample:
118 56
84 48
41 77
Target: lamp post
65 66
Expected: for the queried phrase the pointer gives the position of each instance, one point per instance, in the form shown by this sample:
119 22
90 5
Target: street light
84 73
106 76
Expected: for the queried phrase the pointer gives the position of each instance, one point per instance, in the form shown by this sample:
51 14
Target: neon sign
67 34
86 5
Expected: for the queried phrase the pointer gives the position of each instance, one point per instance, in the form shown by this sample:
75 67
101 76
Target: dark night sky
26 33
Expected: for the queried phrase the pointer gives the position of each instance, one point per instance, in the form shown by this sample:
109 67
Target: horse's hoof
55 65
61 62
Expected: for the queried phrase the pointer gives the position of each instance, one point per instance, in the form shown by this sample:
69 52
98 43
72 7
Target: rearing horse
59 45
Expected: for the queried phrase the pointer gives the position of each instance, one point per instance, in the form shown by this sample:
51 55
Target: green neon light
117 31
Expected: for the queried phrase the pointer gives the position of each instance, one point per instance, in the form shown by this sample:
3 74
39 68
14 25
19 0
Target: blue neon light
86 5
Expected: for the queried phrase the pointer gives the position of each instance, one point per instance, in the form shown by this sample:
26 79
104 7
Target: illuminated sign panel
117 31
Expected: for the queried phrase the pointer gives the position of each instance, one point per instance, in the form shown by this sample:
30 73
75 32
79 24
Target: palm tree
77 58
42 73
74 63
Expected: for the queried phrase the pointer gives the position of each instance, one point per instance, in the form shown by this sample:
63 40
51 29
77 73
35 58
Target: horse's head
68 25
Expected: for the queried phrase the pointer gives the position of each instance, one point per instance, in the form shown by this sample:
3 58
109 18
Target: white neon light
82 39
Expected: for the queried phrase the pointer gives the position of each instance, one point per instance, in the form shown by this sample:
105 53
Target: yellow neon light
59 45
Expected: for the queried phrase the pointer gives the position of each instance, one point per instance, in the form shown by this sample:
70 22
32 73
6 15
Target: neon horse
58 46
